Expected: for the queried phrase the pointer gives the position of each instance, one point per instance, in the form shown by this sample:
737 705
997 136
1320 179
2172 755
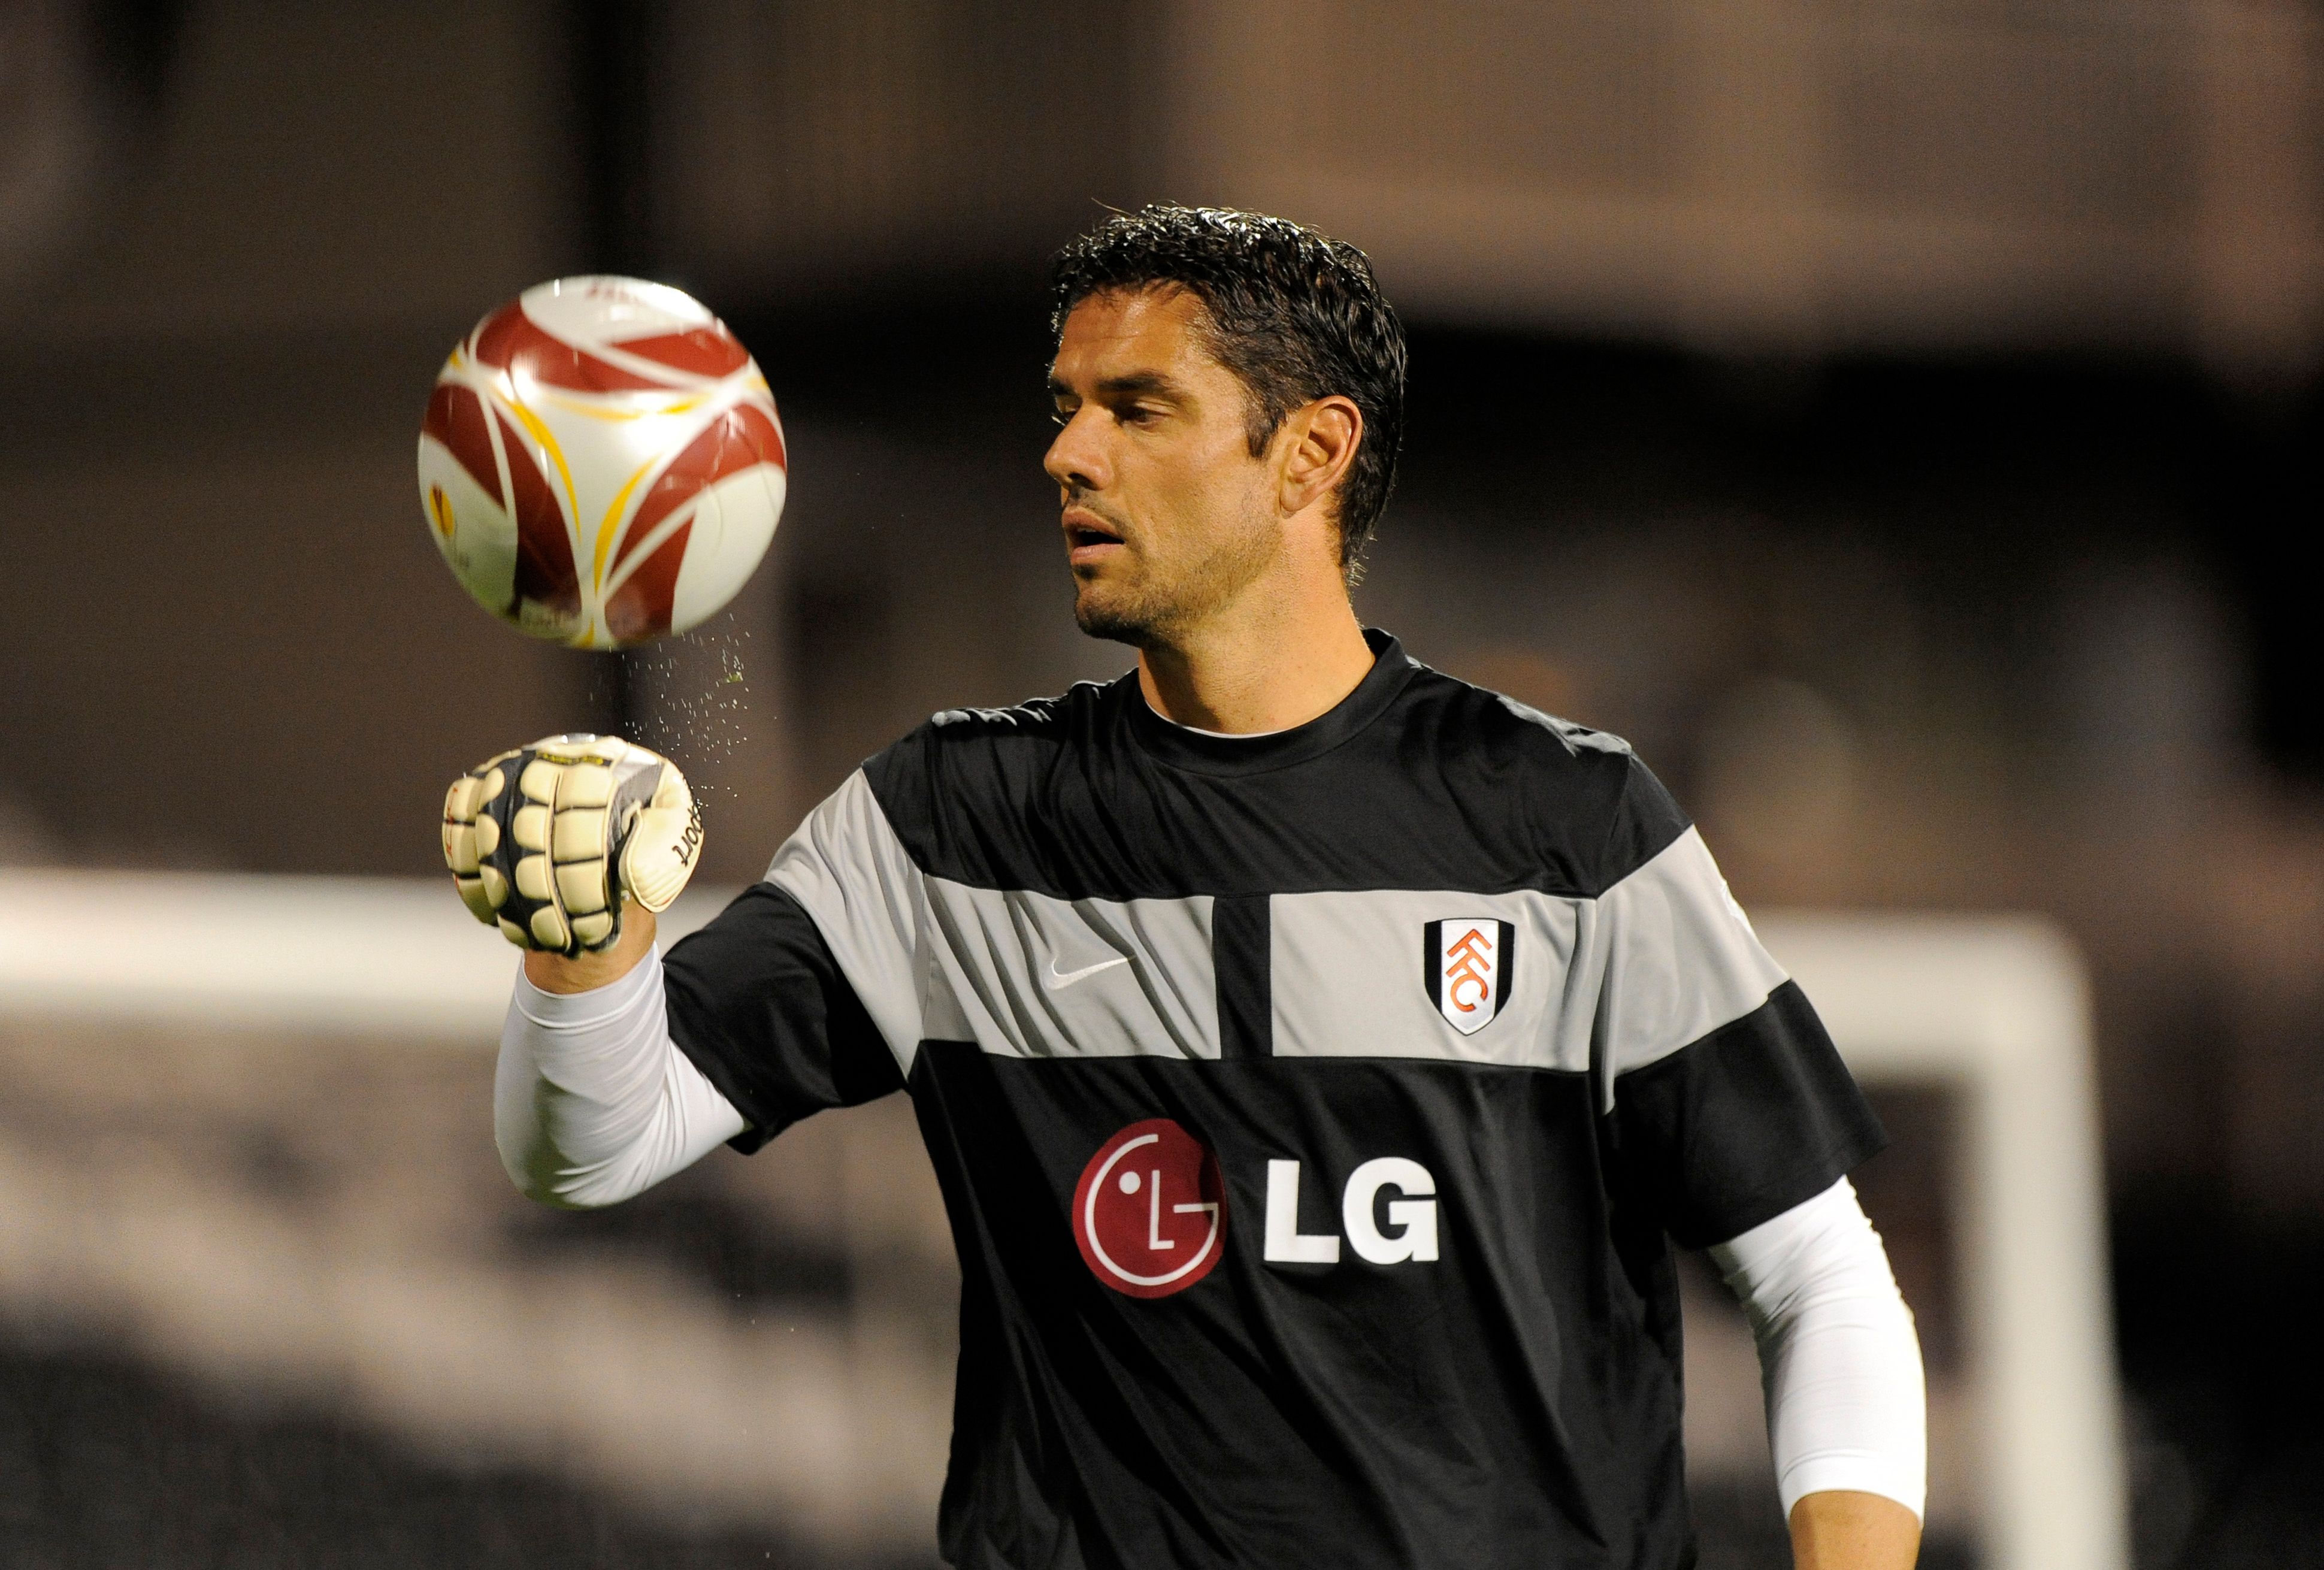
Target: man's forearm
1842 1530
593 1102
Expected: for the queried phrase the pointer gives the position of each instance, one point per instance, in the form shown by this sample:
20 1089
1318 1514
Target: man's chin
1101 617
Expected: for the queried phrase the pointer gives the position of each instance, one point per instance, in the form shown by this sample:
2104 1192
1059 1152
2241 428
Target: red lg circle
1150 1211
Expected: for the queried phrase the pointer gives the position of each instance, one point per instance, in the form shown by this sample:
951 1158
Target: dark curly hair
1295 314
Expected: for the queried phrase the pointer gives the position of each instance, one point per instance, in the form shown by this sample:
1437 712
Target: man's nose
1077 460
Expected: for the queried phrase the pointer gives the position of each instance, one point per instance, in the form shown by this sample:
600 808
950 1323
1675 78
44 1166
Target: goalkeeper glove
546 842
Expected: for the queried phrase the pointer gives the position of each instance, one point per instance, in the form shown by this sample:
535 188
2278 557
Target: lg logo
1412 1214
1151 1213
1150 1210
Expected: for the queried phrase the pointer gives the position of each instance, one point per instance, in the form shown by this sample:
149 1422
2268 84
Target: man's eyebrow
1136 385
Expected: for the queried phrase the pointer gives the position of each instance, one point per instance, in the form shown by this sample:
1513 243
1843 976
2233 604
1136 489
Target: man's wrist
554 973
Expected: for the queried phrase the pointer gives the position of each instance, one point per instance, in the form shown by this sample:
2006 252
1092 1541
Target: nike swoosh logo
1059 981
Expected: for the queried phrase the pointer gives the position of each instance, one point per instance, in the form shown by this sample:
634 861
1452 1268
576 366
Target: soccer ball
601 462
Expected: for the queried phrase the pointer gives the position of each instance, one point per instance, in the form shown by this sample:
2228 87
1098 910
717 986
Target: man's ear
1319 443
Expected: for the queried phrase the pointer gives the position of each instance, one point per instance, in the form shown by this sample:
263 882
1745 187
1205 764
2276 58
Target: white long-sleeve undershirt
1838 1357
593 1103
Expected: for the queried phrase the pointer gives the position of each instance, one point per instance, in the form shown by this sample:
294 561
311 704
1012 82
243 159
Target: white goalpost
1996 1010
1992 1010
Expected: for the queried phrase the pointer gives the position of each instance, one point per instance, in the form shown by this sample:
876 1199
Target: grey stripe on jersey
1679 957
1022 975
1351 978
1026 975
850 874
1658 961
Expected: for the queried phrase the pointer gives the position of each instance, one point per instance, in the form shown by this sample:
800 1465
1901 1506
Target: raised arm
569 846
619 1067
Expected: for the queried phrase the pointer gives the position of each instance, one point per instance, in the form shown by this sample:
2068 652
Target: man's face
1167 516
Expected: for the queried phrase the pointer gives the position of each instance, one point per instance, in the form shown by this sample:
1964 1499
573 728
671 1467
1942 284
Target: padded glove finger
472 835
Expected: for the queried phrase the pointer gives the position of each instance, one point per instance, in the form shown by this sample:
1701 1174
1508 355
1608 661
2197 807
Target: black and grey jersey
1314 1113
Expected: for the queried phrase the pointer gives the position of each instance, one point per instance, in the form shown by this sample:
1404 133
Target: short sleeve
800 995
1729 1104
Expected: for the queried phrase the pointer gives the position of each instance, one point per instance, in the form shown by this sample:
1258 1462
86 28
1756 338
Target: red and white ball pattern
601 462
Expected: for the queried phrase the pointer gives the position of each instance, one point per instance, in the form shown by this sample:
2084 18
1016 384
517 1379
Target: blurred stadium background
1894 416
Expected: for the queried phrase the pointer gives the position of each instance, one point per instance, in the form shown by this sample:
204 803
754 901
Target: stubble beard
1166 601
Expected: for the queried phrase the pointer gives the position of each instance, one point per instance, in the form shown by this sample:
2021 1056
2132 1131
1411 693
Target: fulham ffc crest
1469 964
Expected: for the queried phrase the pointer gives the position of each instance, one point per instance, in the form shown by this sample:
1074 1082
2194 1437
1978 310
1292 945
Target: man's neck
1261 674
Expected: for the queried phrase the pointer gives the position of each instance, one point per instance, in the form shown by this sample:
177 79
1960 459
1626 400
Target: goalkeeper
1319 1056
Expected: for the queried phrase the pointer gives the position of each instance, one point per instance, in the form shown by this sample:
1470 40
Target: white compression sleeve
593 1103
1838 1355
